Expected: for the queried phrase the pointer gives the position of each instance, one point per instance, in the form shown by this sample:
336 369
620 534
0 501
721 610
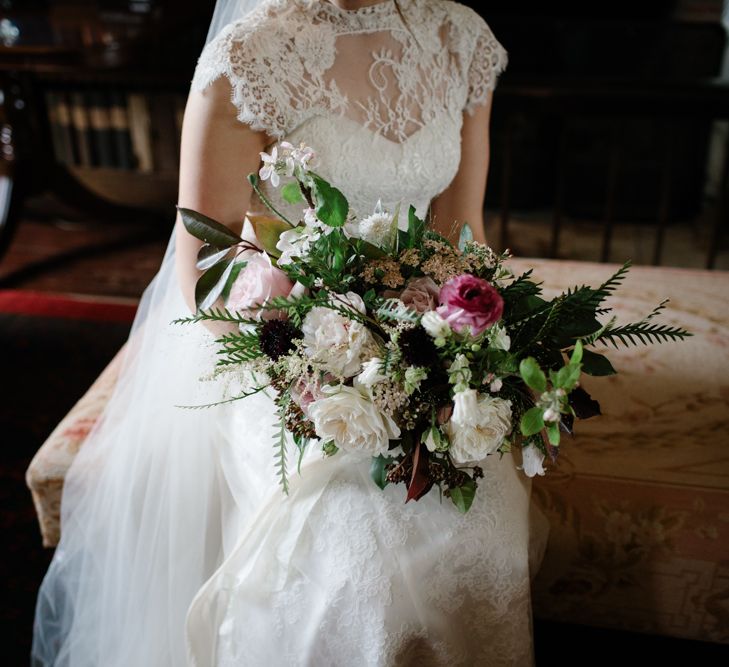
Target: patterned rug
52 347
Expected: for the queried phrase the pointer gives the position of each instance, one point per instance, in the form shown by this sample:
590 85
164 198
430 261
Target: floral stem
253 180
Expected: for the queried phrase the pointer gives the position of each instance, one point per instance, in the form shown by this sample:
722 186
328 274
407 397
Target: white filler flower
532 459
478 425
348 416
371 372
374 228
435 325
295 242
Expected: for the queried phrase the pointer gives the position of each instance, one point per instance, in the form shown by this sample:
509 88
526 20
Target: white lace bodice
379 92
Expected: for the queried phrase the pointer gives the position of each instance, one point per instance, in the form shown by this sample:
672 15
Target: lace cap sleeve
238 53
488 60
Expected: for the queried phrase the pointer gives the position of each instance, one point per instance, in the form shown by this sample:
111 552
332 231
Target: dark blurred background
609 140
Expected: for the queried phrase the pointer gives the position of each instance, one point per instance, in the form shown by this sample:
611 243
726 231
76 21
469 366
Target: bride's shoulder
259 32
254 53
463 20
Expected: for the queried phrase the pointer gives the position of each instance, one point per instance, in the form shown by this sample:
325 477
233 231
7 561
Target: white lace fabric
378 93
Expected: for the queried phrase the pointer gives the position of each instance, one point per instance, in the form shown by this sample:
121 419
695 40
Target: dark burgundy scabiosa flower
417 347
277 337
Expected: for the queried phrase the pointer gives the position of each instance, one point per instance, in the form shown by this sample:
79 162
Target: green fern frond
394 309
521 287
229 400
279 447
215 315
239 348
590 340
644 333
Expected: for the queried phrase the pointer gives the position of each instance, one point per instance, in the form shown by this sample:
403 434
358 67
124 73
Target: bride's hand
217 152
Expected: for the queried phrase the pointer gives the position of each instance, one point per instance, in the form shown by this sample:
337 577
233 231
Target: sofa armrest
48 468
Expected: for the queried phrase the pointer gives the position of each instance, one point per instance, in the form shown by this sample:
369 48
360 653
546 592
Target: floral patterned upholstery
639 501
48 468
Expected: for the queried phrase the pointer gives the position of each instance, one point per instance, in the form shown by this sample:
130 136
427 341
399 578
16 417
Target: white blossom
268 170
371 372
435 325
459 373
478 426
499 339
532 459
375 228
295 242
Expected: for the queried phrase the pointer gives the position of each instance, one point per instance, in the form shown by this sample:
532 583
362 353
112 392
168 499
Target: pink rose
468 301
420 294
258 282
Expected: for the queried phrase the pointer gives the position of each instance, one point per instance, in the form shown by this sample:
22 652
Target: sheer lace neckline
383 6
373 17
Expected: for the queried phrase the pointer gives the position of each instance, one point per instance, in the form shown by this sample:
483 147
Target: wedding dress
178 544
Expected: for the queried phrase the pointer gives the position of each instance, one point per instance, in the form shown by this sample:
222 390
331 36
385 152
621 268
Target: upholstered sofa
638 501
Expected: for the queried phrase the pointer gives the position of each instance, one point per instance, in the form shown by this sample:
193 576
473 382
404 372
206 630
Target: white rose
478 425
339 343
348 416
371 372
435 325
532 459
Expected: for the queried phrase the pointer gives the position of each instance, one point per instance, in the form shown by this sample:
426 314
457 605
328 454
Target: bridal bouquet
377 335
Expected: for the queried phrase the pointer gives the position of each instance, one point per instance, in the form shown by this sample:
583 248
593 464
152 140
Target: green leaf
553 433
291 193
415 227
596 364
208 230
462 496
377 470
210 285
370 250
209 255
234 273
532 375
532 421
576 356
331 205
268 230
394 230
567 377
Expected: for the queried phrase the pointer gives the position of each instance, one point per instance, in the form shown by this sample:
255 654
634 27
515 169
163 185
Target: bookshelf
92 95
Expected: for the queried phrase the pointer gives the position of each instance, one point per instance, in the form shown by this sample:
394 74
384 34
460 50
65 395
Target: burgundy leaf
420 482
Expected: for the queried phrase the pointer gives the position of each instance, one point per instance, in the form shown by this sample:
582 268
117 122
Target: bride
178 546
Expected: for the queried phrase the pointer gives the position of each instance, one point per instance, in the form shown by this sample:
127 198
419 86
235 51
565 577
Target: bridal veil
142 505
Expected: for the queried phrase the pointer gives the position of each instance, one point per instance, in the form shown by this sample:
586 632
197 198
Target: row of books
117 129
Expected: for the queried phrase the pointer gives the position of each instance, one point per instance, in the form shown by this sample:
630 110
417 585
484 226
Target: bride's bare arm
217 153
463 200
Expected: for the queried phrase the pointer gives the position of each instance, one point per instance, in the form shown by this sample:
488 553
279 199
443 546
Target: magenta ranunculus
258 282
467 301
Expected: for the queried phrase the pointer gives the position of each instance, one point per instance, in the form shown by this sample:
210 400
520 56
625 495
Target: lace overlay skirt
340 572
